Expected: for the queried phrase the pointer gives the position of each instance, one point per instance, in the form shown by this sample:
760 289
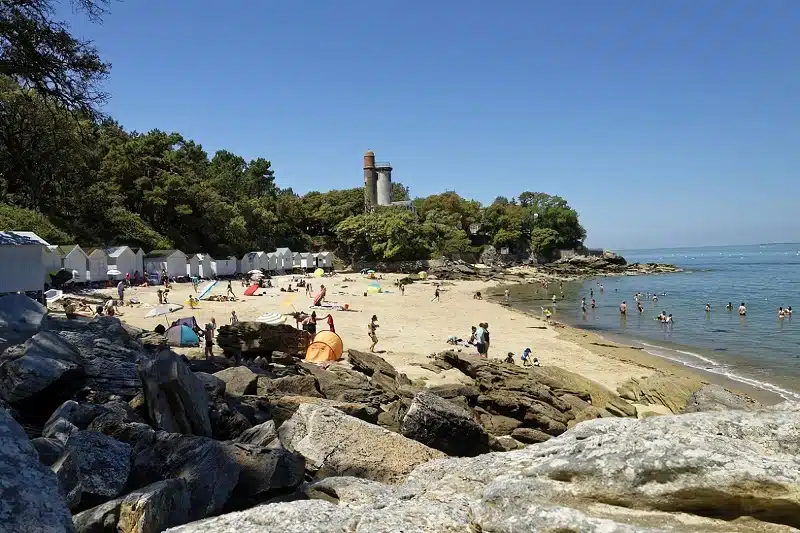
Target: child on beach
526 357
436 295
234 318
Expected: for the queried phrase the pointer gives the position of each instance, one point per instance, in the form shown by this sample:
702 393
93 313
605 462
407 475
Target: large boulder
260 435
443 425
727 471
238 380
263 473
249 340
43 370
30 497
347 385
334 443
93 469
283 408
176 399
227 421
716 398
151 509
289 385
20 319
206 465
661 388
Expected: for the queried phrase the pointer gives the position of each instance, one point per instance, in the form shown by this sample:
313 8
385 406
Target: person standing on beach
601 288
230 290
583 305
209 338
623 308
331 327
234 318
742 310
480 340
486 341
506 294
121 291
436 295
402 289
372 328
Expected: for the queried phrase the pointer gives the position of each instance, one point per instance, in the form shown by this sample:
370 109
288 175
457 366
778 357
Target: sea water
759 349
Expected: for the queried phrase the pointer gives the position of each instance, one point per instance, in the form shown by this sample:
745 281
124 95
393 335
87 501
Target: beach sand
413 327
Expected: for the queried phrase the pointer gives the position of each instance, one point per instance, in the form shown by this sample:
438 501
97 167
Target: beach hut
173 261
23 267
306 260
295 259
323 260
51 259
199 265
284 258
272 262
75 260
139 252
123 259
223 267
98 264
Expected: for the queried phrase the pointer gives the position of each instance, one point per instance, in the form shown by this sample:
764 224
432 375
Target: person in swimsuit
209 338
331 327
623 308
594 304
708 308
230 290
436 295
742 310
372 328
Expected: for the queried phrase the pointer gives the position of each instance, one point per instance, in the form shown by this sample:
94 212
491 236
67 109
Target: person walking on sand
209 338
623 308
436 295
372 328
230 290
234 318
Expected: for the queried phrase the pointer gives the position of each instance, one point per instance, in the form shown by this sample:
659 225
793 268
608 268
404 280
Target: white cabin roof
14 238
30 235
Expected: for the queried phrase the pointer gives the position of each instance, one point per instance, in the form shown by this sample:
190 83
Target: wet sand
413 327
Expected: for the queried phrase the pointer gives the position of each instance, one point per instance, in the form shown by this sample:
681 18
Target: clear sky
663 122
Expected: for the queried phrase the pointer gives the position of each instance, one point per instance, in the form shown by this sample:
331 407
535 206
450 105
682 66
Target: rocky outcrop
661 388
334 443
732 472
31 496
263 473
716 398
239 380
260 435
443 425
290 385
93 468
20 319
249 340
346 385
283 408
176 400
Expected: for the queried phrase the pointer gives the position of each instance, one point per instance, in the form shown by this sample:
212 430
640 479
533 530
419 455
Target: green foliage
21 219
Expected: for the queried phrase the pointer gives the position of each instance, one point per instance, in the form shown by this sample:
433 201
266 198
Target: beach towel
251 290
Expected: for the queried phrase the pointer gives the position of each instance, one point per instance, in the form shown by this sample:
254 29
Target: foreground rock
443 425
20 319
661 388
176 399
29 492
334 443
716 398
732 472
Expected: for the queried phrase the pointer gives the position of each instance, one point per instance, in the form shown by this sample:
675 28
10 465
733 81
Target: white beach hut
139 253
224 267
123 259
200 265
323 260
173 261
75 260
51 258
272 261
98 264
21 259
306 260
284 259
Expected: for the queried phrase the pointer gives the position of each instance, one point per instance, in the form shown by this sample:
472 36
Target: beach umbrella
374 289
113 272
163 309
370 271
318 273
422 275
271 318
255 271
53 295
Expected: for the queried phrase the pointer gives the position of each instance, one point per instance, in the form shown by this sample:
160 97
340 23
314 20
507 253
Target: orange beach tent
327 346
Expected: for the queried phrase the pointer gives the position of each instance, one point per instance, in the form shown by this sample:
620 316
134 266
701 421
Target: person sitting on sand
472 338
193 302
510 358
742 310
535 361
372 328
623 308
477 296
729 307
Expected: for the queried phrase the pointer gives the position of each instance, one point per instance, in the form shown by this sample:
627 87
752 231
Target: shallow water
759 349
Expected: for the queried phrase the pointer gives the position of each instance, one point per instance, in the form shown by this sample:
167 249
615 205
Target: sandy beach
413 326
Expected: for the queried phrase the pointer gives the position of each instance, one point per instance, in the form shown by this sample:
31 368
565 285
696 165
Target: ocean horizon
759 349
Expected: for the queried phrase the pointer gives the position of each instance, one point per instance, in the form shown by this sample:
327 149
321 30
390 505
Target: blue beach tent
181 335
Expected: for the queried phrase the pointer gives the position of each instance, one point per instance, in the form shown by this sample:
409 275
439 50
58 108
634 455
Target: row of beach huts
26 260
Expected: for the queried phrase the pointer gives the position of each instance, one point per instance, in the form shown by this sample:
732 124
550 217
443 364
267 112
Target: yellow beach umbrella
318 273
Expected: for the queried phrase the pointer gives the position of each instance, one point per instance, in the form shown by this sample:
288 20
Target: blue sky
663 122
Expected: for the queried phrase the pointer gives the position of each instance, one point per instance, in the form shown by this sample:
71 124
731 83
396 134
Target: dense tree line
72 175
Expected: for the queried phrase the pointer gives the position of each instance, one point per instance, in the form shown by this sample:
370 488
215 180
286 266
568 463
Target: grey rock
443 425
176 399
43 361
727 471
31 497
227 422
283 408
506 443
347 385
151 509
498 425
20 319
48 449
259 435
289 385
206 466
334 443
93 468
716 398
529 435
263 472
138 435
238 380
214 386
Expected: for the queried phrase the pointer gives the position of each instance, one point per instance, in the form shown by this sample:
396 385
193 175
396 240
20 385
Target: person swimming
708 308
781 313
639 307
729 307
788 311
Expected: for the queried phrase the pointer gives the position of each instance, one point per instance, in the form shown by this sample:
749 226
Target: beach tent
251 290
327 346
21 262
423 275
181 335
173 261
206 292
199 265
76 261
98 264
123 259
187 321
